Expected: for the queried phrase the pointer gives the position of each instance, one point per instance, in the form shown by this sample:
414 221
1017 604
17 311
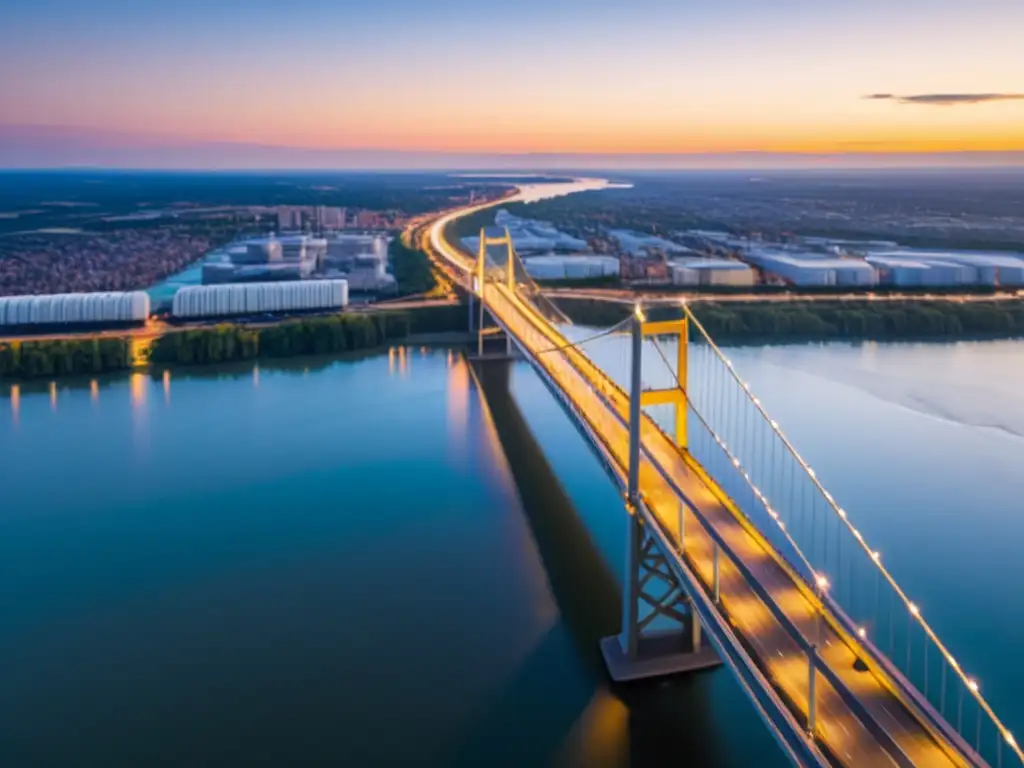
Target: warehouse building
807 269
552 267
711 272
108 308
904 272
197 301
975 268
637 244
528 236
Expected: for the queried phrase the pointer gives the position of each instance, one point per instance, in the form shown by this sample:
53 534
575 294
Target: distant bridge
732 538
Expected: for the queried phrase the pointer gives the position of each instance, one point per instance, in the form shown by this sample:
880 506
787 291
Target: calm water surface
333 563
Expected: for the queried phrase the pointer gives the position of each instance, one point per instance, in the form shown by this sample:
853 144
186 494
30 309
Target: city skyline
453 84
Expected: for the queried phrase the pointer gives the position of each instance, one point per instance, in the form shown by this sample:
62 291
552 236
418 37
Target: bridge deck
850 739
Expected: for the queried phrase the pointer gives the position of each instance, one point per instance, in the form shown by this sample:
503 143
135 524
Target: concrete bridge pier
660 634
492 343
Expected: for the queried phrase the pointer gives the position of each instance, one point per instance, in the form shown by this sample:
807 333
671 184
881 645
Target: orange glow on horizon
863 127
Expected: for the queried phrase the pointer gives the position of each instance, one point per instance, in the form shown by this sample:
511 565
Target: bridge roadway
860 720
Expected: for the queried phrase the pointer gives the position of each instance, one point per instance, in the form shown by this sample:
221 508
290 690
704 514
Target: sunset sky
588 76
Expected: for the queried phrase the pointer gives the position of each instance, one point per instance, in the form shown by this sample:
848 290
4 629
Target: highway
861 721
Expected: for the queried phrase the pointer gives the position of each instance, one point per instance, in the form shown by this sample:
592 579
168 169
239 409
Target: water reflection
458 392
53 396
15 403
639 724
94 391
167 387
256 376
138 391
600 737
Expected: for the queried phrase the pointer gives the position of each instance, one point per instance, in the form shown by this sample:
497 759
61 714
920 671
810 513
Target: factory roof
972 258
709 264
812 262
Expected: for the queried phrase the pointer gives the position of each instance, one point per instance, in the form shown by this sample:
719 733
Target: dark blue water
333 563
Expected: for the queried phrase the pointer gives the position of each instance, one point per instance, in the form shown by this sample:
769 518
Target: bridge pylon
480 280
660 634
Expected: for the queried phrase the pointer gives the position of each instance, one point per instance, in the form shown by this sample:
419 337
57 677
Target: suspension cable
736 463
618 327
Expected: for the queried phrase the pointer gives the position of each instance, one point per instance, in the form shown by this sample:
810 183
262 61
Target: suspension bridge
737 555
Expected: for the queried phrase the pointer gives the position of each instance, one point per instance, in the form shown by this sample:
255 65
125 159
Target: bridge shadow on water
570 717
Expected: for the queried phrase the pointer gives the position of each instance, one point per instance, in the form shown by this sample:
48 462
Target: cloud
946 99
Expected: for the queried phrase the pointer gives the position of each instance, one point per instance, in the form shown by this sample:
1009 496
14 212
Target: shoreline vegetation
754 322
766 322
228 342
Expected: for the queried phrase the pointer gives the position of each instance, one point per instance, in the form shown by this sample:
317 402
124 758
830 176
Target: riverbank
820 320
228 342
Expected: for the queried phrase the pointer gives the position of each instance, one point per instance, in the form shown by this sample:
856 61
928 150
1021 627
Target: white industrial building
291 257
911 272
61 308
255 298
808 269
949 268
529 236
636 243
552 267
362 260
698 272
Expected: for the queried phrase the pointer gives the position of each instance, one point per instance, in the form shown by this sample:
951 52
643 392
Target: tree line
228 342
35 359
766 322
327 334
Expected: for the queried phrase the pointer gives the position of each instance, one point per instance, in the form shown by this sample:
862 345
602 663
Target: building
807 269
908 273
637 244
362 260
269 259
265 251
529 236
557 267
289 219
256 298
329 219
66 308
952 267
369 220
711 272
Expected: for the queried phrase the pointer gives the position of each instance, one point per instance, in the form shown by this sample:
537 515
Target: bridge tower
651 594
480 280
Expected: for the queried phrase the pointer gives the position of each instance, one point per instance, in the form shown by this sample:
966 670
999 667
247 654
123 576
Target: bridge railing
735 440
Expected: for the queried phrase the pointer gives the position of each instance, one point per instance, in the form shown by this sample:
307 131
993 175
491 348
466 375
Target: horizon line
1017 156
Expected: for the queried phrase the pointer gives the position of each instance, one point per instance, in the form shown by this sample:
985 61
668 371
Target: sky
139 82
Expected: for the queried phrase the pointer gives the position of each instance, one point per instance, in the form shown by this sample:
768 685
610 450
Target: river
329 561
